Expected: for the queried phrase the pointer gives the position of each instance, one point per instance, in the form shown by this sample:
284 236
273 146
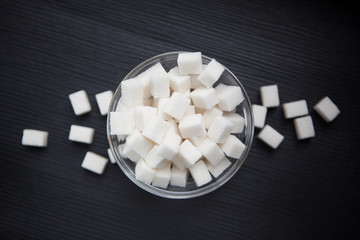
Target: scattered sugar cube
94 163
200 173
192 126
327 109
121 123
155 129
34 138
127 152
80 102
154 159
211 73
142 116
111 156
144 173
137 142
259 115
103 100
188 153
132 92
210 115
211 151
160 84
174 127
237 120
197 140
161 104
229 96
177 105
189 63
295 109
162 176
304 127
179 83
81 134
232 147
220 129
270 136
169 145
178 162
269 96
178 177
219 168
204 97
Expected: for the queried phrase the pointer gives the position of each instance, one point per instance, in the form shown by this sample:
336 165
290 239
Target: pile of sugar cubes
179 123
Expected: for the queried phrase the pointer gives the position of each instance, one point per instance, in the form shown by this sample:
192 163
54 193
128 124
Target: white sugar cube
229 96
237 120
137 142
121 107
190 63
200 173
154 159
94 163
270 136
220 129
132 92
304 127
211 151
145 78
142 115
233 147
269 96
155 129
160 84
259 115
188 153
162 176
161 103
127 152
186 94
81 134
295 109
177 105
179 83
174 127
189 111
169 145
211 73
327 109
121 123
196 141
144 173
178 177
103 100
192 126
210 115
219 168
195 82
178 162
35 138
204 97
111 156
80 102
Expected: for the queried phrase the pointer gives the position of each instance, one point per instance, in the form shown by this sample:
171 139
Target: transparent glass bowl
169 60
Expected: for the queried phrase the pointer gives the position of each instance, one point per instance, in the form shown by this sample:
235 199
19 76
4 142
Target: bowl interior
169 60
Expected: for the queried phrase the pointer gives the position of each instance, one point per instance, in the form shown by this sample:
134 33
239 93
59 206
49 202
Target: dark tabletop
303 190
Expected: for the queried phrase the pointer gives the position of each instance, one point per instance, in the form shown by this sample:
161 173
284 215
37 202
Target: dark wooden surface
304 190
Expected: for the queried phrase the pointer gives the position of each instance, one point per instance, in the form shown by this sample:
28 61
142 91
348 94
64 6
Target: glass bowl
169 60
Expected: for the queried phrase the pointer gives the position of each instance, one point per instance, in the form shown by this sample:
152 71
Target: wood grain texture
304 190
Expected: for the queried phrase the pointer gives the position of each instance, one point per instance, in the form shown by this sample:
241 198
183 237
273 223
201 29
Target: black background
303 190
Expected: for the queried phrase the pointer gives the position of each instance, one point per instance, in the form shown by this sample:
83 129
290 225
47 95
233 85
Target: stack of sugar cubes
179 122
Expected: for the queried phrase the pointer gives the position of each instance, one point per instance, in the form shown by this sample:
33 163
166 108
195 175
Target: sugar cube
177 105
144 173
270 136
80 102
162 176
220 129
137 142
142 115
145 79
179 83
94 163
237 120
111 156
295 109
81 134
192 126
269 96
327 109
204 97
211 151
169 145
259 115
229 96
188 153
127 152
154 159
174 127
304 127
155 129
195 82
210 114
160 84
103 100
189 63
219 168
121 123
196 141
178 177
233 147
200 173
35 138
132 92
178 162
211 73
161 103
